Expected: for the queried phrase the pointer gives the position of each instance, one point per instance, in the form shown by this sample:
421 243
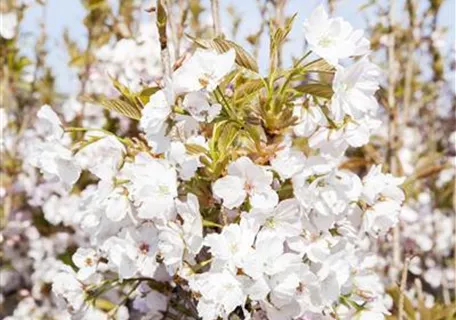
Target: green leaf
195 148
226 139
317 90
162 19
319 65
123 90
104 304
207 223
148 91
78 61
277 39
395 292
216 132
123 107
281 34
246 90
95 4
145 94
23 62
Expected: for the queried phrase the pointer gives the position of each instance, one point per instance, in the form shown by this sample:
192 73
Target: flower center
342 87
88 262
326 41
144 248
163 190
233 247
205 79
229 286
270 223
248 187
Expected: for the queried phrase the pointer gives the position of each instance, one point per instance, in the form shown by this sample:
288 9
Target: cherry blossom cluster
211 214
132 61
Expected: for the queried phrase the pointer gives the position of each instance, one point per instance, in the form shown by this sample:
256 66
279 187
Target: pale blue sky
63 14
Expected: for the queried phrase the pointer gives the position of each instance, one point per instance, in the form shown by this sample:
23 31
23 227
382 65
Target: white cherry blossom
204 70
103 157
86 259
221 293
48 124
66 285
154 119
245 179
56 163
198 106
333 39
232 245
8 24
153 187
354 88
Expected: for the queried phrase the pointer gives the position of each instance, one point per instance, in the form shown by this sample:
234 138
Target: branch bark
411 4
215 8
393 136
162 20
401 314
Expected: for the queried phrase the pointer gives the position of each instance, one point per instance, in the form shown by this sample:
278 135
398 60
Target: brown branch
393 136
162 18
402 289
454 234
215 8
411 4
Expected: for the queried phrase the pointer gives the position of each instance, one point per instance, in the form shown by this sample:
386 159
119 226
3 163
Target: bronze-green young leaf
195 148
316 89
319 65
123 107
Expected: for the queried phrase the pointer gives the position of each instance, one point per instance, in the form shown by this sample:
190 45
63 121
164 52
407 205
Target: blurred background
62 52
67 15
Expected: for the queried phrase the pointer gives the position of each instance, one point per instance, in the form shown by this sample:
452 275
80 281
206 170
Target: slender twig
173 27
215 8
263 14
294 72
331 6
77 129
419 292
393 136
402 288
410 61
86 74
162 18
225 104
454 234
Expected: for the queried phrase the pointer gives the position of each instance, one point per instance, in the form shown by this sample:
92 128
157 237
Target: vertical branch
172 26
163 38
256 38
88 62
419 292
454 234
411 6
215 8
180 27
393 137
445 291
438 76
331 6
402 288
